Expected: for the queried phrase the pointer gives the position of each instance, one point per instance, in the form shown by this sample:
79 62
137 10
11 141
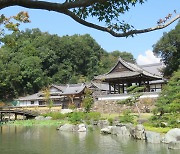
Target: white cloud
149 58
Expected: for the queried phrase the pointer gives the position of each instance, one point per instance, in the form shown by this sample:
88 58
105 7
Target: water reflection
47 140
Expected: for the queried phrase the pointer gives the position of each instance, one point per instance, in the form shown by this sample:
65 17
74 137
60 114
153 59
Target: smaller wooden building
125 74
59 94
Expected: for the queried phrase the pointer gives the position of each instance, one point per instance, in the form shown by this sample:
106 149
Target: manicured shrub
76 117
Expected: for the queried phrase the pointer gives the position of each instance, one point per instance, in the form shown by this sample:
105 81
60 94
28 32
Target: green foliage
135 92
31 60
168 49
110 120
171 120
109 12
37 122
12 23
93 116
168 106
55 115
76 117
48 100
127 117
88 100
168 102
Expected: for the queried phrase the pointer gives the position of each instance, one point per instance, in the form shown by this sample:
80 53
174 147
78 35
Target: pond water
47 140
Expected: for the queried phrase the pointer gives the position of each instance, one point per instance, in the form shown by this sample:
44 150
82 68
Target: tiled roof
74 89
134 70
63 90
153 68
101 86
118 75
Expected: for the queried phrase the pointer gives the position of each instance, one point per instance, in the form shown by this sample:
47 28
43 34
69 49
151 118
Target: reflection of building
125 74
59 94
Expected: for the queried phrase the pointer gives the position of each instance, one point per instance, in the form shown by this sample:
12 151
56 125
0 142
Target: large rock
138 132
82 128
106 130
48 118
39 118
152 137
120 131
174 145
172 135
103 123
64 111
68 128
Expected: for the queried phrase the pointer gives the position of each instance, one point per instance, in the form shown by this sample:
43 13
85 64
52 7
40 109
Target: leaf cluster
108 11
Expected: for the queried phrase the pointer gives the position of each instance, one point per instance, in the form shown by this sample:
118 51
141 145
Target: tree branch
125 34
35 4
64 8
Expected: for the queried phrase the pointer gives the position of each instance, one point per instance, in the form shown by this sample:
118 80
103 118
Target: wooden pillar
109 88
114 88
123 88
1 116
15 116
119 88
9 115
148 86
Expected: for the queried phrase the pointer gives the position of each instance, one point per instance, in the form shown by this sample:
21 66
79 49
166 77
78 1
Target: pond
47 140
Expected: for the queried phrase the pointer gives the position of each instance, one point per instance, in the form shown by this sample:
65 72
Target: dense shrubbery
167 111
74 117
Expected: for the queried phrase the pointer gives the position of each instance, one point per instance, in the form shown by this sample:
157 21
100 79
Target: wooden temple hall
125 74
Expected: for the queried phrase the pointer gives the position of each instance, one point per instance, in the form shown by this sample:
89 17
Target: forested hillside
31 60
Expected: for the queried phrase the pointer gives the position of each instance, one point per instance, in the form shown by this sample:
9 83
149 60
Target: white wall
122 97
28 103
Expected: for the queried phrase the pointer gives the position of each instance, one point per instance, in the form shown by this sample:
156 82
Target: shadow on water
47 140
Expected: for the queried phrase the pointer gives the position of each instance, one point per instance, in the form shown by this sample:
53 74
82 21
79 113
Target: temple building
125 74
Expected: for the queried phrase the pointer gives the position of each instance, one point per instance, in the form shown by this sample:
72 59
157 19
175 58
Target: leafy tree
125 55
108 60
107 11
168 102
88 100
47 97
168 48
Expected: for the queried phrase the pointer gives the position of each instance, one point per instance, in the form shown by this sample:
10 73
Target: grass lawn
37 122
143 115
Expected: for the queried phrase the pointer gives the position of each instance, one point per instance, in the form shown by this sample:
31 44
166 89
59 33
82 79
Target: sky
141 16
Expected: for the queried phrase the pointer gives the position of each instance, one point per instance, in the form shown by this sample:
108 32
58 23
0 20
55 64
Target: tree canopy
168 106
107 11
168 48
31 60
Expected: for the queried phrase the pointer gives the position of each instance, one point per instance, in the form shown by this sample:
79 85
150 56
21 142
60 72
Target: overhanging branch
64 8
116 34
